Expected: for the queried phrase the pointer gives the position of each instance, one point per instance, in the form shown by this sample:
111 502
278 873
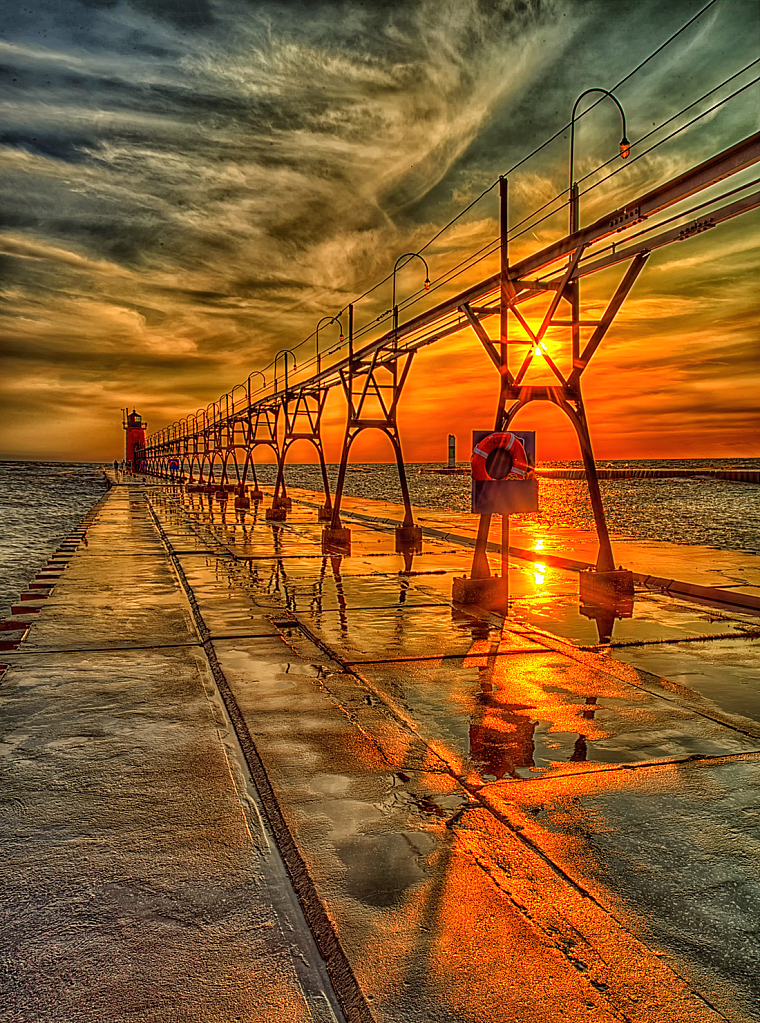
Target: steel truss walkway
372 377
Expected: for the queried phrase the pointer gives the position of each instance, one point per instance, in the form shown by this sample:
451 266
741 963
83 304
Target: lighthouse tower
135 428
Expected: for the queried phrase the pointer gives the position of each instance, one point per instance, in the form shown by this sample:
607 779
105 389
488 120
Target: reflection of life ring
500 456
143 464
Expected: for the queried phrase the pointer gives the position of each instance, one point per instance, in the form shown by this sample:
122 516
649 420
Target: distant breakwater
733 475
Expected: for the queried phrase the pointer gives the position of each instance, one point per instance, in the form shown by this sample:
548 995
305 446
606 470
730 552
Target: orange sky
187 192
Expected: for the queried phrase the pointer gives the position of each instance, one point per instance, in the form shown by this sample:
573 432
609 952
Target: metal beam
609 315
676 234
716 169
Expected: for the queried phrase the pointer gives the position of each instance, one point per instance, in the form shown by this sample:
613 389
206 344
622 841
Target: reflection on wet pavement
681 843
380 868
417 747
511 708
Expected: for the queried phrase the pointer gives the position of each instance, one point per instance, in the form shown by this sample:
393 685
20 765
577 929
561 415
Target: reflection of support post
501 728
605 597
335 561
373 404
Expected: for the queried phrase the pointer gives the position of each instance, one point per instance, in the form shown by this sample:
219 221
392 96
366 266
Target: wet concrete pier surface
482 820
139 882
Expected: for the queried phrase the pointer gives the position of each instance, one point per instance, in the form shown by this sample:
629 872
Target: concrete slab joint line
344 982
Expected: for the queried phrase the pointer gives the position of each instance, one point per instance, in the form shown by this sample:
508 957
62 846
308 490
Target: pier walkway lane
139 880
480 820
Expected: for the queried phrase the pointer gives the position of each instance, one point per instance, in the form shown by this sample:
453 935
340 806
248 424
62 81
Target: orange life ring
508 442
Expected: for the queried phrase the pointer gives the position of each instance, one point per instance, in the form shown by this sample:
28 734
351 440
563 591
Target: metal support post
335 536
382 395
605 561
481 587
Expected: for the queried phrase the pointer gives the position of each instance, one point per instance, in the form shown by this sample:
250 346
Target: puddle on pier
523 715
380 868
505 705
376 802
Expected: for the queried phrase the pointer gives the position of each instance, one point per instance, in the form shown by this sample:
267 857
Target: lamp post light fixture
326 319
625 151
408 256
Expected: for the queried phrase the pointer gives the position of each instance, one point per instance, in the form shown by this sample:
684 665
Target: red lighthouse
135 428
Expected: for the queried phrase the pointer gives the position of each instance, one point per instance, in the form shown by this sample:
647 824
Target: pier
249 780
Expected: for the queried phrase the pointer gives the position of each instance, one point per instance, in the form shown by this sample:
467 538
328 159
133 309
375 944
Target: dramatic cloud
188 187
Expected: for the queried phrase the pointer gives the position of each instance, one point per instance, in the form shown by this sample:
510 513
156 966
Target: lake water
40 503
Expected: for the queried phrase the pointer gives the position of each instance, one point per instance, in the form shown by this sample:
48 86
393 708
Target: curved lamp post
408 256
326 319
625 150
232 395
605 561
285 352
248 382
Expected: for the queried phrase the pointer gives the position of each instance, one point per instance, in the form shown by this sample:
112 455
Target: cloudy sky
189 185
